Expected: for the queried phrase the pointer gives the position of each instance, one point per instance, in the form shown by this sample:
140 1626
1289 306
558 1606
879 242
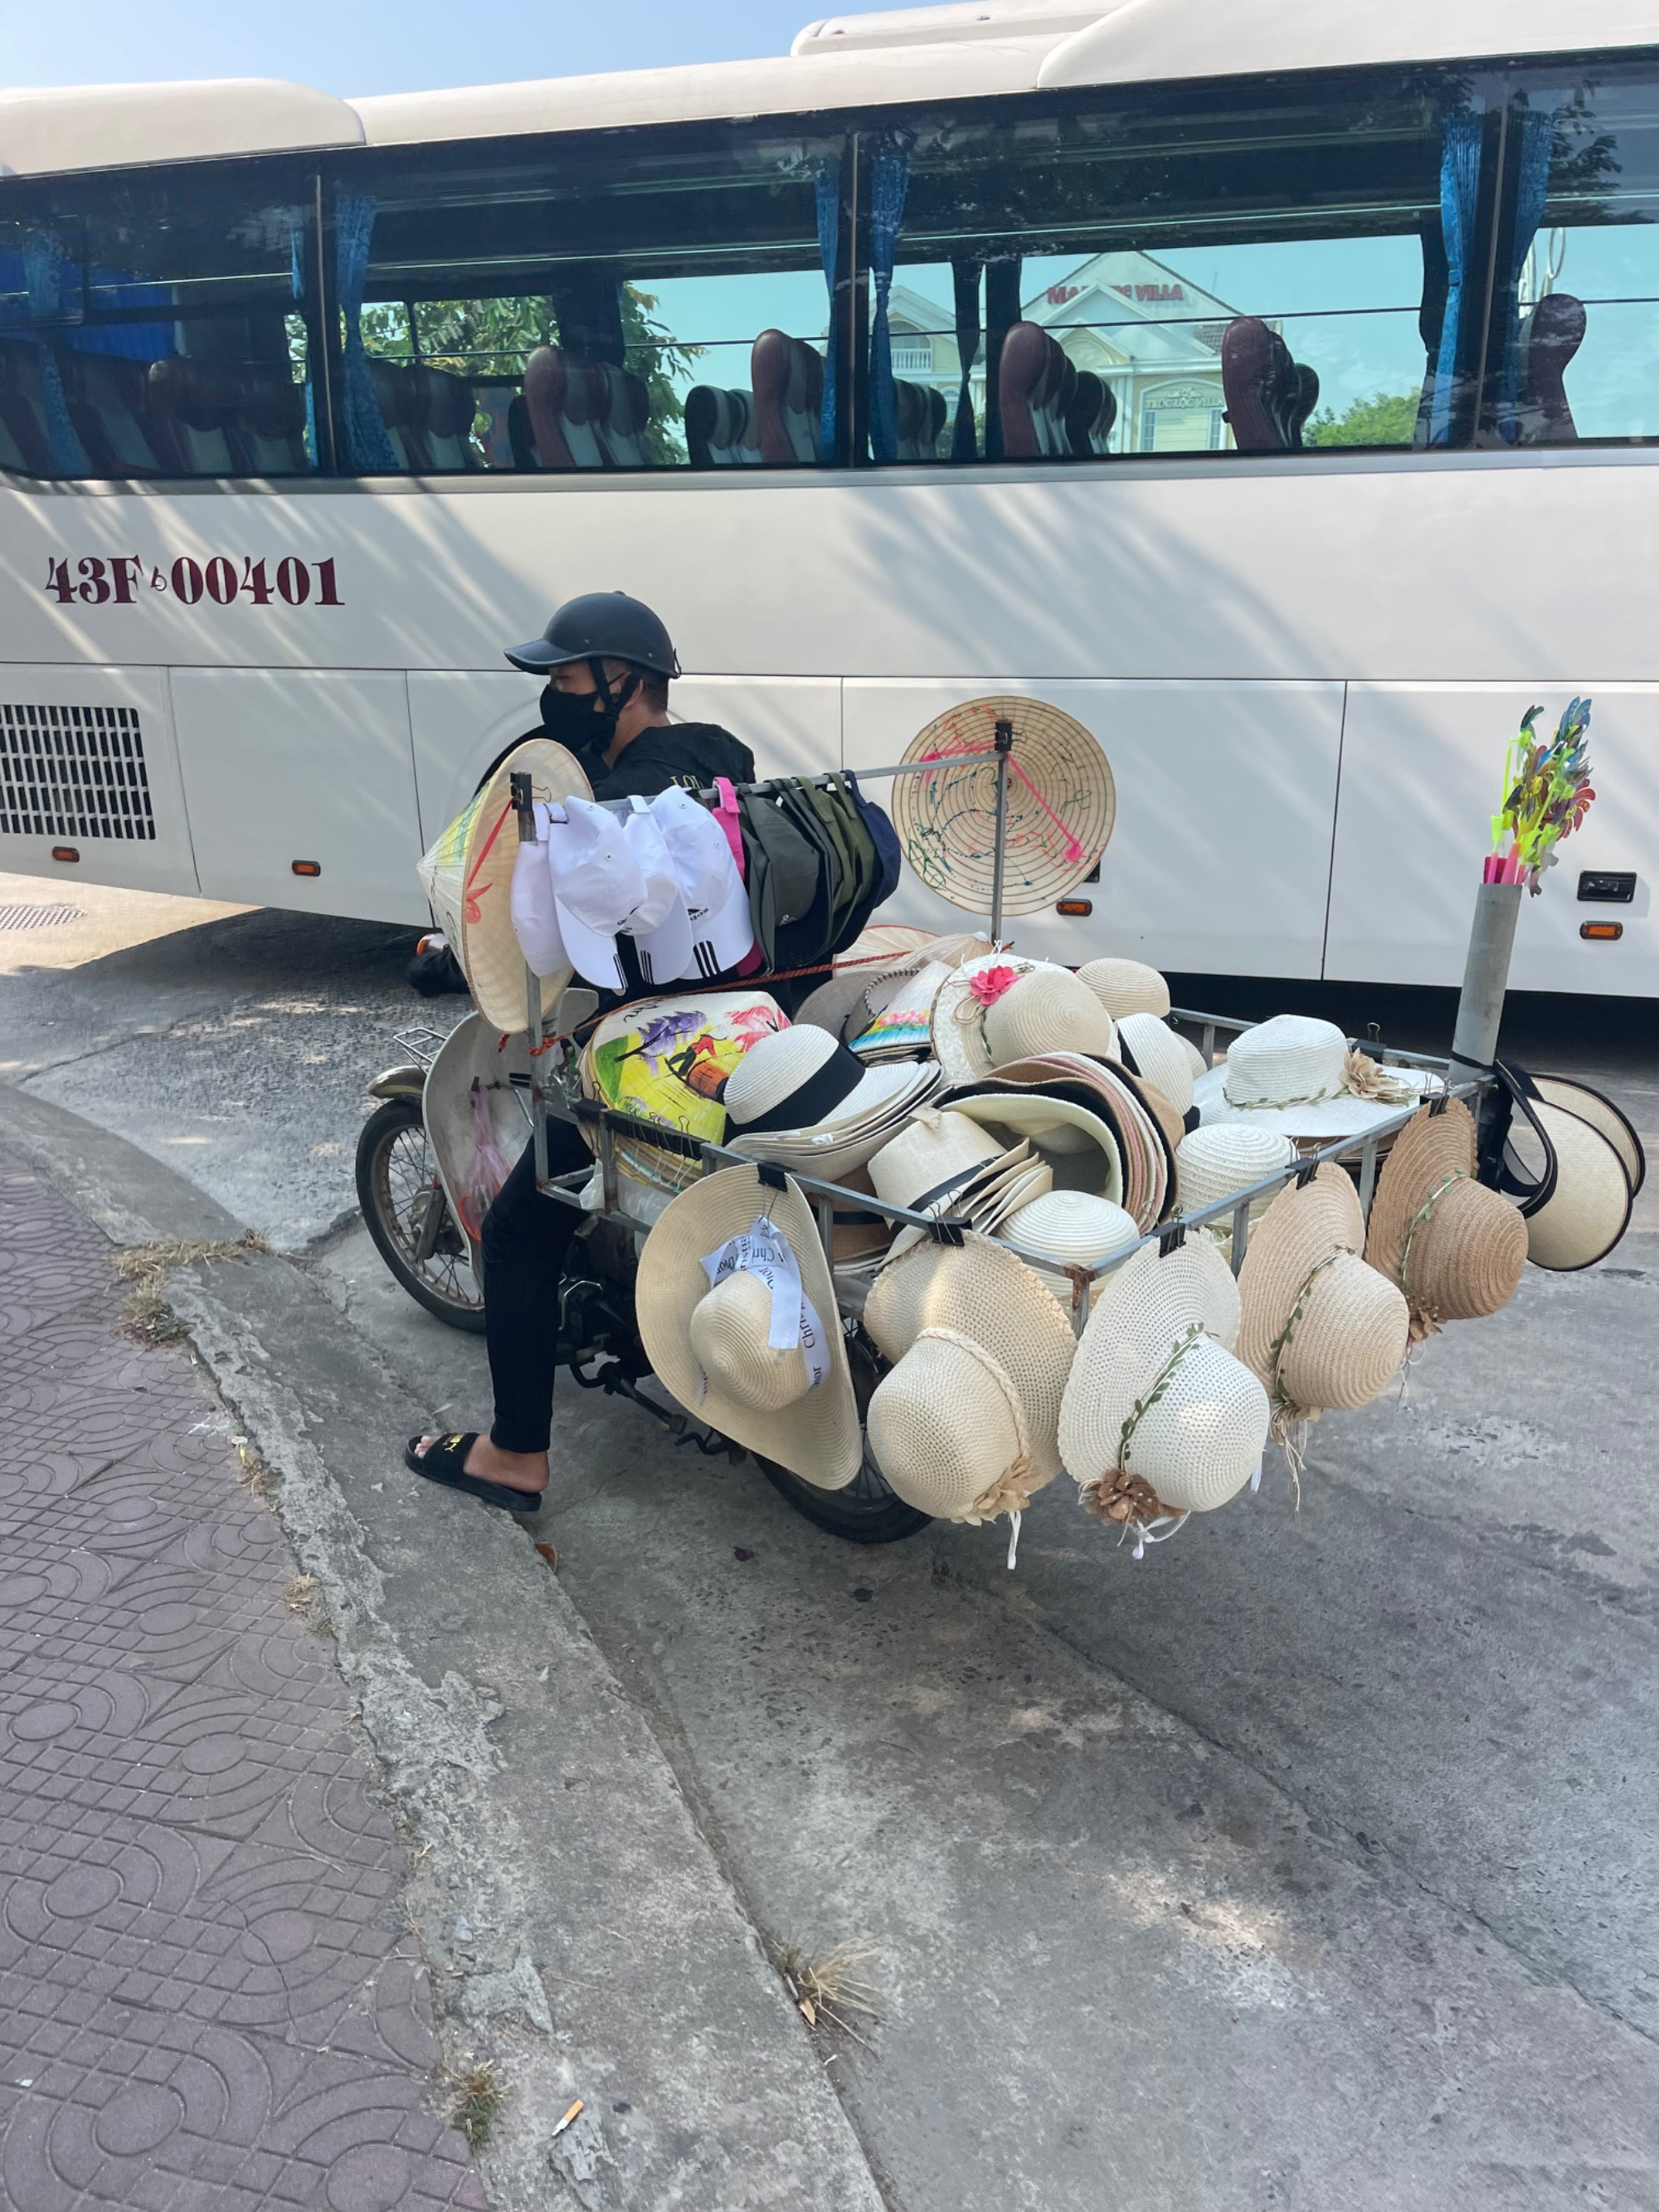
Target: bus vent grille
73 772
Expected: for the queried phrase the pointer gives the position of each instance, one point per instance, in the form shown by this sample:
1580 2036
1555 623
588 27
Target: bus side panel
458 723
792 724
1220 859
1422 771
88 762
280 767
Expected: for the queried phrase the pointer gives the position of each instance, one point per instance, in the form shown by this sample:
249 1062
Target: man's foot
454 1460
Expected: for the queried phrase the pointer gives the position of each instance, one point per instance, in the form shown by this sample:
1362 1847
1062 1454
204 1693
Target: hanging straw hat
801 1098
1159 1419
1589 1209
1151 1049
1065 1229
1297 1076
1603 1117
1061 803
1454 1248
467 877
1143 1125
963 1000
1211 1164
948 1430
981 1291
1127 987
710 1346
1320 1328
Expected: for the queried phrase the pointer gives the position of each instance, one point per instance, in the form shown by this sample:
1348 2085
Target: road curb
581 1930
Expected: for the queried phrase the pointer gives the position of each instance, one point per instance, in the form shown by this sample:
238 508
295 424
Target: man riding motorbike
609 661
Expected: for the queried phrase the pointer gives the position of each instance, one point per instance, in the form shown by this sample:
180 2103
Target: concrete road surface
1311 1861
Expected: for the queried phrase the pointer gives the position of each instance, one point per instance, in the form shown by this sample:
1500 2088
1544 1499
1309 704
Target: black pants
525 1237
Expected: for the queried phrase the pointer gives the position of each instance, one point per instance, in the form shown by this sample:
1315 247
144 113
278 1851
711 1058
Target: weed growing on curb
300 1597
146 1315
477 2100
826 1989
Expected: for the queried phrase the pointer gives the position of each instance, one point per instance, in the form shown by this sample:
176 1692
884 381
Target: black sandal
445 1462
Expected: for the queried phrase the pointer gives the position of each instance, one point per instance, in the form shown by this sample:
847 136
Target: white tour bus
1273 385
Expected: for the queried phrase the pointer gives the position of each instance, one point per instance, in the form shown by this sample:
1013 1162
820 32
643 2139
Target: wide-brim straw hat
1159 1415
1211 1164
884 953
1127 987
1322 1330
782 1075
1156 1053
1145 1127
933 1156
1039 1113
467 876
1000 1188
947 1429
1047 1010
981 1290
1298 1077
1454 1248
958 1028
1589 1209
815 1435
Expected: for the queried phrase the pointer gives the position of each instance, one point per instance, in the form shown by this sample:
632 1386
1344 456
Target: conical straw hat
980 1289
1320 1328
1454 1248
1127 987
720 1367
1061 803
947 1429
467 876
1159 1416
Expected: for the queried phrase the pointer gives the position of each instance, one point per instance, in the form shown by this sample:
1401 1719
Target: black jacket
689 753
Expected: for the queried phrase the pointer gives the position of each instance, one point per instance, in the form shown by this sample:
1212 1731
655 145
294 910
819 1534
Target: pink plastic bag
487 1169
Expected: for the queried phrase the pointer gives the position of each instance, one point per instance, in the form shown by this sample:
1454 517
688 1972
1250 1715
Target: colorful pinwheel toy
1547 793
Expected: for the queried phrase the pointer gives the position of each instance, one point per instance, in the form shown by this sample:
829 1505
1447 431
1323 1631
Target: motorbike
413 1157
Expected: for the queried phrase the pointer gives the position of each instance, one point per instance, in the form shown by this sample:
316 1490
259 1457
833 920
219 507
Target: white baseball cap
659 924
721 932
535 918
599 885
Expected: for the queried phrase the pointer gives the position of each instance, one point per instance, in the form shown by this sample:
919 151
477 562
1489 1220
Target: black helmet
600 626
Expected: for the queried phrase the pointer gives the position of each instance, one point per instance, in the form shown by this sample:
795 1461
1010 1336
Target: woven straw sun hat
1043 1112
1127 987
1589 1209
467 877
1454 1248
1144 1126
978 1288
799 1096
1047 1010
1065 1229
1298 1077
1322 1329
709 1348
1572 1096
961 1003
1159 1418
948 1430
1061 804
1151 1049
1211 1164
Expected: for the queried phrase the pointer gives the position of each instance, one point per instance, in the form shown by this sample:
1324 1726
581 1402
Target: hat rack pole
523 807
1005 746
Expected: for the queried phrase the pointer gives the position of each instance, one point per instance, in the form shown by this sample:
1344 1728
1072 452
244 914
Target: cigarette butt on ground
568 2116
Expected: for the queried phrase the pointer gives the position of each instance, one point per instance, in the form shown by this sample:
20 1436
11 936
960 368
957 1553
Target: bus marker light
307 867
1606 932
1075 906
65 853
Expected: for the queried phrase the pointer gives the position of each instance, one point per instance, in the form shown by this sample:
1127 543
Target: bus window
1575 336
1254 267
643 301
157 325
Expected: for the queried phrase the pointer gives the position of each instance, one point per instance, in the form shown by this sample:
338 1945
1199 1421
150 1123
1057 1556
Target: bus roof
966 49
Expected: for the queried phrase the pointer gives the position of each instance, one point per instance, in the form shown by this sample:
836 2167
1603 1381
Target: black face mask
584 722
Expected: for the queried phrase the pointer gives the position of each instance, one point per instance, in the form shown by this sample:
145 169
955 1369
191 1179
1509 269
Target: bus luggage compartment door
309 767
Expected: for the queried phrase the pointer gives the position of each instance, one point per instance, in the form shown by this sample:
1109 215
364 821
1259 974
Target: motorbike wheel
397 1187
867 1511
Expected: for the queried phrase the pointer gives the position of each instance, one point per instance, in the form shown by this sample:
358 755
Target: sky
353 46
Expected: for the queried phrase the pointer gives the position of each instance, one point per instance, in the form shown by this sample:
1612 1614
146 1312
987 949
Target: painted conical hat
1061 806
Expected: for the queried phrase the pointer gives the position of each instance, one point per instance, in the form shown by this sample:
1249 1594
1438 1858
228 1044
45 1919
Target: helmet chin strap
611 704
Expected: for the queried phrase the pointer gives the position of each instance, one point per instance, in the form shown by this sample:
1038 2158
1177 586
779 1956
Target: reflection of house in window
1155 337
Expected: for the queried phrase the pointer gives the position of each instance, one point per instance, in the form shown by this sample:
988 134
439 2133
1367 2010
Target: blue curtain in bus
43 280
1459 192
1536 129
889 182
829 189
367 444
